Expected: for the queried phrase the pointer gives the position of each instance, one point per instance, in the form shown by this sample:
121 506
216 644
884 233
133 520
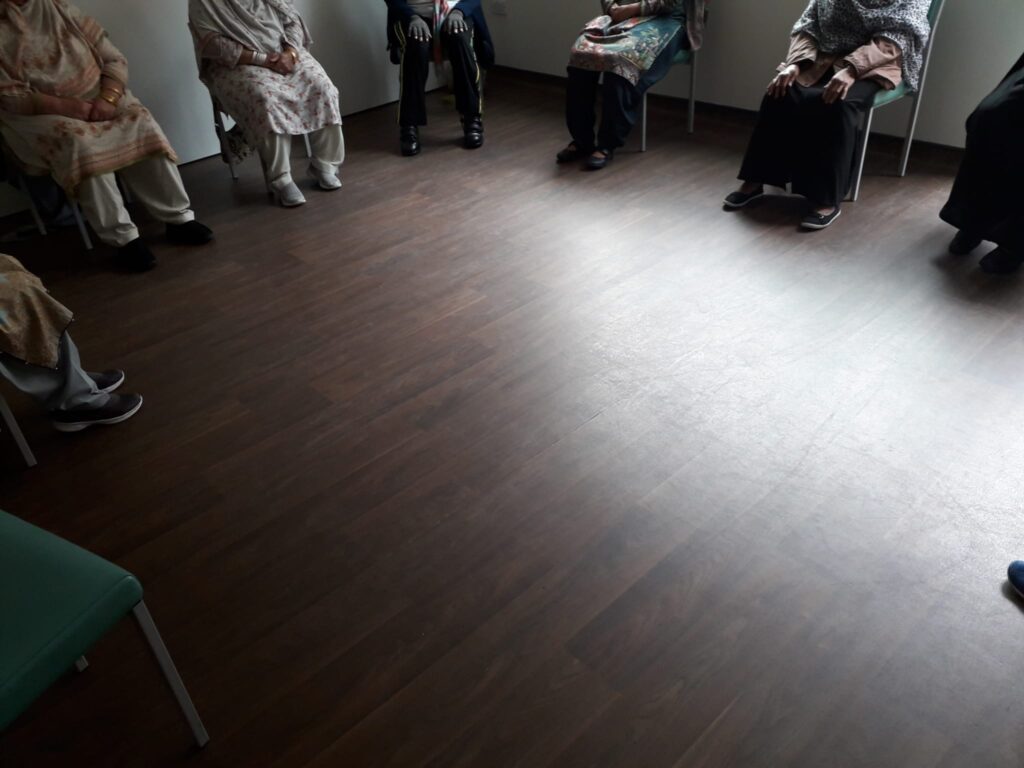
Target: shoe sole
283 204
114 387
320 185
806 225
744 204
79 426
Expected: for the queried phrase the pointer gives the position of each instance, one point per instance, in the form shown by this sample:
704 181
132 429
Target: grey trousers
67 387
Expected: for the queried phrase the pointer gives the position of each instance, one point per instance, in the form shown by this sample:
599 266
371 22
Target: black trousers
415 68
801 140
987 199
621 100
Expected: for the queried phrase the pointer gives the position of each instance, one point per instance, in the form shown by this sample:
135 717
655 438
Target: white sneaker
327 181
288 195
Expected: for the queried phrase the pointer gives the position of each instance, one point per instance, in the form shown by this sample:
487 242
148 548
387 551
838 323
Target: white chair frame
908 143
7 417
691 107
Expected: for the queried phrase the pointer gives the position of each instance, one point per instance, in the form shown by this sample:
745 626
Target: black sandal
815 220
597 163
1001 262
738 199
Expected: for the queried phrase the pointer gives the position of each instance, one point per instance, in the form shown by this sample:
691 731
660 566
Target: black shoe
815 220
189 233
135 257
739 199
108 381
597 163
410 138
473 132
1001 262
571 154
118 408
963 243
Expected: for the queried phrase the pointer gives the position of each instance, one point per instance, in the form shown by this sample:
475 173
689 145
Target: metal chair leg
908 143
19 439
861 155
643 124
692 121
22 186
82 664
309 147
86 240
163 658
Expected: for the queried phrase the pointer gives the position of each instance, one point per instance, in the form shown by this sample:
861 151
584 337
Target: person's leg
275 153
769 155
157 185
581 107
64 388
104 209
622 100
465 71
414 68
328 146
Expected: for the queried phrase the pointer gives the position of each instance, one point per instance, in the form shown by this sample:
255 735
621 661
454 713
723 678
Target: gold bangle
109 99
294 54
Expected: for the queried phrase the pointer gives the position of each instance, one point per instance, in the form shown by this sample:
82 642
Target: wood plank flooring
485 462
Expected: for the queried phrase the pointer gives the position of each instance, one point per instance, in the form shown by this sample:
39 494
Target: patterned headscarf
840 26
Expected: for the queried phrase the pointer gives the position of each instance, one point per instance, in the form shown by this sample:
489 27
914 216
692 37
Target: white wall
977 42
349 39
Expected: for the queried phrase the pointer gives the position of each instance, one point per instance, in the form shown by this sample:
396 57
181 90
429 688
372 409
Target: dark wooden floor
484 462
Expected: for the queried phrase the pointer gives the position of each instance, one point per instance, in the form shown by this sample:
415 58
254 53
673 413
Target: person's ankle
749 187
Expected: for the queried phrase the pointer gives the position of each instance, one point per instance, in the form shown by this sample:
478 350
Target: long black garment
415 58
987 199
801 140
621 99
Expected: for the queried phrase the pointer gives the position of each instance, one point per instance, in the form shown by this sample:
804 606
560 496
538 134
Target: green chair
8 420
683 57
56 602
889 97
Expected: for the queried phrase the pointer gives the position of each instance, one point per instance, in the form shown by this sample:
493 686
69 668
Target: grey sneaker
325 180
288 195
108 381
117 409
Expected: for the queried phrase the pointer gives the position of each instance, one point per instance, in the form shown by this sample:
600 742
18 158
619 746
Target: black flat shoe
963 243
1001 262
571 154
118 408
473 132
739 199
597 163
410 139
135 257
189 233
819 220
108 381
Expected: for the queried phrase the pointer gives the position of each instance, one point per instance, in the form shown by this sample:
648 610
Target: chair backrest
935 11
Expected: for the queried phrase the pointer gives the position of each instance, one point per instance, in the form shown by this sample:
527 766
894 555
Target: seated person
38 357
254 57
421 31
633 44
841 54
987 200
65 111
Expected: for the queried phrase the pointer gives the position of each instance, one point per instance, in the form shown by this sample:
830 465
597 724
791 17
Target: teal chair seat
888 97
56 602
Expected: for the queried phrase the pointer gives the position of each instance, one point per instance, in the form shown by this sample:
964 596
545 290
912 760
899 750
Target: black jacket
399 11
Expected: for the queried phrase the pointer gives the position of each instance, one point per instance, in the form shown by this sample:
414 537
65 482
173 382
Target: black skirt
987 201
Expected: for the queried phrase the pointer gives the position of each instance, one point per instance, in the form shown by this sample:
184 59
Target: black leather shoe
739 199
135 257
1001 262
189 233
604 156
473 132
410 138
963 243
